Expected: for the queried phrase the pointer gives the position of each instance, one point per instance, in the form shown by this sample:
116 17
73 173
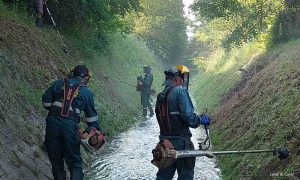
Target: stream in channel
128 156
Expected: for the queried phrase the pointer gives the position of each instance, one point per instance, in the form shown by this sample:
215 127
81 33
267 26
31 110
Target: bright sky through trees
191 17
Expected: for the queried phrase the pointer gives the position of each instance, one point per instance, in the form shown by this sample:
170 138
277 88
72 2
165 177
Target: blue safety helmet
179 70
81 71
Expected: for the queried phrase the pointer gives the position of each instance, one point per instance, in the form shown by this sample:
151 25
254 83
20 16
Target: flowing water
128 156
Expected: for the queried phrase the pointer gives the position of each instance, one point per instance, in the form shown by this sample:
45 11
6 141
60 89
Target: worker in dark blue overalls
146 84
175 115
65 99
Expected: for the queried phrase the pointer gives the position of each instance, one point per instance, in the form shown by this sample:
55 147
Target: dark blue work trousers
63 143
145 101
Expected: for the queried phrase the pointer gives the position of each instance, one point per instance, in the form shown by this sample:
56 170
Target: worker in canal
146 84
175 115
65 99
39 8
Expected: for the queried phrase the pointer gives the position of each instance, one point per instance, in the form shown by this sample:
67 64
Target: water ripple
128 156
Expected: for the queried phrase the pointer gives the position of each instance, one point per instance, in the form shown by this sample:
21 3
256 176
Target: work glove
139 78
83 134
281 153
204 120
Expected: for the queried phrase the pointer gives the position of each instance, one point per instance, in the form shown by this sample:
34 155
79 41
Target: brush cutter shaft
195 153
50 16
240 152
119 80
60 37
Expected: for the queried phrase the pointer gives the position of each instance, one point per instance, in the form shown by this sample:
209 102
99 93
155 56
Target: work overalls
62 138
174 126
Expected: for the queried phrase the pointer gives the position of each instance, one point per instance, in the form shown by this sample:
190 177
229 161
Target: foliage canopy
250 18
162 25
94 19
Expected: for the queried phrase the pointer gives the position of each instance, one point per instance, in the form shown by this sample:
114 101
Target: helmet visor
186 79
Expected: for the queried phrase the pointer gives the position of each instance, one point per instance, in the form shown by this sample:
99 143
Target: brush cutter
165 155
281 153
54 24
153 92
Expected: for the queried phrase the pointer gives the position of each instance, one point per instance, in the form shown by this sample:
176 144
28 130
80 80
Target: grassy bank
31 59
221 72
260 110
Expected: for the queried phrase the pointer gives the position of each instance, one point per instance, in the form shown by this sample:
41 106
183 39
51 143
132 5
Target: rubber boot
59 174
76 175
151 112
144 112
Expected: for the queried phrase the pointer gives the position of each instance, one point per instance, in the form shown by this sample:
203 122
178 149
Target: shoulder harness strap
69 92
163 114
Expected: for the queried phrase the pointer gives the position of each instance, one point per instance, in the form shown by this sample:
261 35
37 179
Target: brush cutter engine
94 141
163 154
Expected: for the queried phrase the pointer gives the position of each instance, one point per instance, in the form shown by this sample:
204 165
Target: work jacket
53 101
147 83
180 112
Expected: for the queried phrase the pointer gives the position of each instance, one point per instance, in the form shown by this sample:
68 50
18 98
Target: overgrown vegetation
253 96
249 19
262 112
223 60
250 87
31 58
221 72
159 23
124 61
93 19
162 25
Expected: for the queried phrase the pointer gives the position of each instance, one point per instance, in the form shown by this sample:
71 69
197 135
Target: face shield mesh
186 79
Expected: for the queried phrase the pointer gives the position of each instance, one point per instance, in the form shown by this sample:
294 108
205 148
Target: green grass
32 96
222 72
124 61
264 115
14 14
34 59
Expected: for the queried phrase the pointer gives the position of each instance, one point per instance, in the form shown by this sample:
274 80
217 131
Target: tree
250 17
162 25
95 18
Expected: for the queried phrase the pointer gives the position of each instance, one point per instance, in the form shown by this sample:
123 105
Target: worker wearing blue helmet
175 115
